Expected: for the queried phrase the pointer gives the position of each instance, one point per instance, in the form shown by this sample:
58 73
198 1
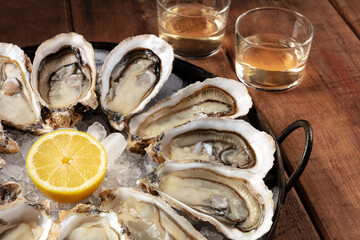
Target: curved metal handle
306 153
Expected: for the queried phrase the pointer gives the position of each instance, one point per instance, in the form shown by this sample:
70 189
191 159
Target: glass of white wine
272 47
194 28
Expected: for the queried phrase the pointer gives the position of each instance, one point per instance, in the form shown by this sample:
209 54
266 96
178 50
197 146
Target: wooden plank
117 20
328 98
30 22
349 10
113 21
294 223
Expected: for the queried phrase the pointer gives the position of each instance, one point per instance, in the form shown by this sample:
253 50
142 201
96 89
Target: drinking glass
194 28
272 46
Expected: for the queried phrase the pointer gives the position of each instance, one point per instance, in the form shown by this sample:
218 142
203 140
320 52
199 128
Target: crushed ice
124 168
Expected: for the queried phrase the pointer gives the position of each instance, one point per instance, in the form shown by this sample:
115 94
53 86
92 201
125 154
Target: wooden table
325 202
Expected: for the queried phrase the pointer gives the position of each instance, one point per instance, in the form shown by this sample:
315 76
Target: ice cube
97 130
207 149
100 55
172 85
149 165
128 171
114 145
197 147
26 146
211 233
32 196
54 210
93 199
11 170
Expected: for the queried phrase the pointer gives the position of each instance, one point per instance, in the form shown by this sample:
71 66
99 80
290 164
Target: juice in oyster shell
194 31
270 62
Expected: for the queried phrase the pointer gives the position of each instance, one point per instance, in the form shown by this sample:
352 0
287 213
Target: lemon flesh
67 165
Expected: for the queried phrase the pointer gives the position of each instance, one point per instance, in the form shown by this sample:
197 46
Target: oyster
215 97
9 191
24 220
7 145
226 141
87 222
146 216
235 201
132 74
64 79
18 106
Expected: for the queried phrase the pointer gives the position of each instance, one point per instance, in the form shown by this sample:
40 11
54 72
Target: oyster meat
18 105
132 74
236 201
215 97
147 217
24 220
226 141
64 79
86 222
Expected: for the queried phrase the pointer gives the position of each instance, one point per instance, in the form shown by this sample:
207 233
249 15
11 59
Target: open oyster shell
18 105
146 216
235 201
64 78
226 141
132 74
24 220
88 222
215 97
7 145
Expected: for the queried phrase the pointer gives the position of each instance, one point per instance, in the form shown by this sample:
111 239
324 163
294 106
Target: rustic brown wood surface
326 201
329 99
31 22
349 10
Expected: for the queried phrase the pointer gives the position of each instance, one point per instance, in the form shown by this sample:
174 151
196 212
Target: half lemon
67 165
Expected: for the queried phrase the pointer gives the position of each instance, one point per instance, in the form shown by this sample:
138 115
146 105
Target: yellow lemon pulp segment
67 165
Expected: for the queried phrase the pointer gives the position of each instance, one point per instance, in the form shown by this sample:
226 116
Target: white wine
270 62
192 29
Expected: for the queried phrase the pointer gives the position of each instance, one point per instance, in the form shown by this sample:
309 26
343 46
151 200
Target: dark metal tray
275 179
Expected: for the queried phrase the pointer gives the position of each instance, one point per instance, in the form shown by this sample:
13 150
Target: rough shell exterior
147 41
234 89
72 114
261 142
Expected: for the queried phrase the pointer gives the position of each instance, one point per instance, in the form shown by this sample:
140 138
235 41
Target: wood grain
30 22
113 21
329 99
294 223
105 21
349 10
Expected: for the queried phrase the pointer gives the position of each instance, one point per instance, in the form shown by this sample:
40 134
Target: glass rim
224 9
307 41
